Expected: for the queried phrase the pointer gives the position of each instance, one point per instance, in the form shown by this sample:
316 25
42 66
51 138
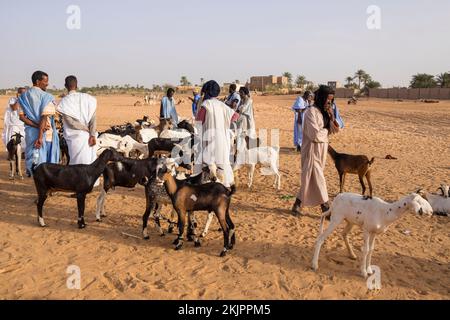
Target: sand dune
272 257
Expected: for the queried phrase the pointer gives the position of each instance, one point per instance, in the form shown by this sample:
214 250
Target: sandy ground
273 252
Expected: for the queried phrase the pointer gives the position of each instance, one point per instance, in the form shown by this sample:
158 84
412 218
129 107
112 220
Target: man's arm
27 121
93 130
42 128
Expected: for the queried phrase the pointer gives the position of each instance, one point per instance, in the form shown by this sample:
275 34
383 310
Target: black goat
79 179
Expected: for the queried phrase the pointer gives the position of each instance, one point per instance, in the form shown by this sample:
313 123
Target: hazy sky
147 42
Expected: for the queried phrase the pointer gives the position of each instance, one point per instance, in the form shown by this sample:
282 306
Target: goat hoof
147 238
223 253
11 178
179 247
203 235
103 215
162 234
176 241
98 220
81 226
197 244
190 238
353 257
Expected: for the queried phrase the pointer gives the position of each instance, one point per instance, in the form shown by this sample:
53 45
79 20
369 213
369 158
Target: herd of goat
141 154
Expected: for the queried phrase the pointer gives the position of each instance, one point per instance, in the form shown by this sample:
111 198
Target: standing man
12 123
299 107
79 118
195 102
234 99
37 111
214 119
168 109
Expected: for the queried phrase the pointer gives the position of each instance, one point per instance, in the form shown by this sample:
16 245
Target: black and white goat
79 179
15 156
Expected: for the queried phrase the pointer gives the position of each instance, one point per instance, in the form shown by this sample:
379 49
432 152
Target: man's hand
38 143
92 141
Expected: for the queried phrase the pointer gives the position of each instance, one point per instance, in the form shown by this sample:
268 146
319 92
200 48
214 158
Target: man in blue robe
168 109
37 110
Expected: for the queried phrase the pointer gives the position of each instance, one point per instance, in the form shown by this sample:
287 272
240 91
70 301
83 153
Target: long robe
12 124
313 190
215 135
168 110
81 107
299 108
34 104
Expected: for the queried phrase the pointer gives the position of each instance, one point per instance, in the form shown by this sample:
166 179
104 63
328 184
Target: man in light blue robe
37 109
299 107
168 109
234 99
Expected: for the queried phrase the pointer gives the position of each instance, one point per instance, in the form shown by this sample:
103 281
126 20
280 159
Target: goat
346 163
128 145
373 216
439 202
79 179
162 144
127 173
187 126
252 153
15 156
207 197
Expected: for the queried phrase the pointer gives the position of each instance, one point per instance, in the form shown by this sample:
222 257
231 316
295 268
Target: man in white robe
78 111
12 122
213 122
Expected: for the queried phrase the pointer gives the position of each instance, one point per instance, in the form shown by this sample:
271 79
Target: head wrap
245 91
321 97
210 89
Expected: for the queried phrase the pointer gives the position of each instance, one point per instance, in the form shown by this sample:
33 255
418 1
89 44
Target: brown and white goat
186 199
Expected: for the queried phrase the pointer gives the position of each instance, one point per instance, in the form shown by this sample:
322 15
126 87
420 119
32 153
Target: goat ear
442 190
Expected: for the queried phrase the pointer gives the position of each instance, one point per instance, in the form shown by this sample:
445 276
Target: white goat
267 156
175 134
106 141
439 202
147 134
128 145
373 216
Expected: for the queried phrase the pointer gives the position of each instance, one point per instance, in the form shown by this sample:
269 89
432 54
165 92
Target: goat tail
232 190
322 219
372 161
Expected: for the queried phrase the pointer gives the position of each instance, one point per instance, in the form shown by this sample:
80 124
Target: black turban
210 89
321 97
245 91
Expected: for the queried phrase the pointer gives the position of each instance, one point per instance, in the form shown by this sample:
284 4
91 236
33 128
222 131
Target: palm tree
443 80
423 80
300 81
201 81
288 75
184 81
349 81
360 74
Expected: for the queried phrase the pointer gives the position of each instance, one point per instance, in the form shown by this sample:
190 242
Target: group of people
33 114
33 111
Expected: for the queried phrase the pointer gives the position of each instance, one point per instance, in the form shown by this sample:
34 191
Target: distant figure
214 119
12 122
37 110
79 118
319 123
195 102
299 107
168 109
146 99
234 99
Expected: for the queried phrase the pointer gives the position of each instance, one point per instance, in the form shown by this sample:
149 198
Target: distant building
259 83
334 84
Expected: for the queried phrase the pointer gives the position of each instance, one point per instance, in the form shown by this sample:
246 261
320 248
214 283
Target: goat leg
81 199
181 226
11 170
40 204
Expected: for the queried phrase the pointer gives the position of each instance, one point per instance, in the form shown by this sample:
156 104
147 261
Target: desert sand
272 257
